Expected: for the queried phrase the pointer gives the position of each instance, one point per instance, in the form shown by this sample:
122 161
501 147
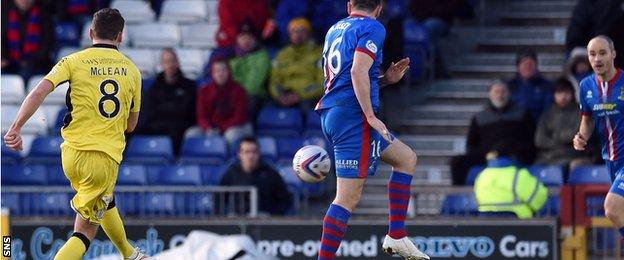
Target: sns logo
370 45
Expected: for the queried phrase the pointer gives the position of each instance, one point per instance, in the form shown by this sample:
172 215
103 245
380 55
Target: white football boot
137 255
403 247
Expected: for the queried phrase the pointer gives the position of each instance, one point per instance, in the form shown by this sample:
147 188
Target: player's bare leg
614 210
79 242
403 162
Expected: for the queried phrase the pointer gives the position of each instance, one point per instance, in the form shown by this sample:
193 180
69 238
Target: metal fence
138 201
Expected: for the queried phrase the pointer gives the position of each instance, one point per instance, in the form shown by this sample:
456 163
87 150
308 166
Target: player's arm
31 103
133 120
133 117
394 73
360 78
585 131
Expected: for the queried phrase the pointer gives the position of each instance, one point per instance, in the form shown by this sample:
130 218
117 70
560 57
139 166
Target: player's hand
380 127
579 142
13 140
396 71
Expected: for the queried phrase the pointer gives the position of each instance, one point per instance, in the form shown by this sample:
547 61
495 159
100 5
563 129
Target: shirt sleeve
370 40
585 109
136 99
60 73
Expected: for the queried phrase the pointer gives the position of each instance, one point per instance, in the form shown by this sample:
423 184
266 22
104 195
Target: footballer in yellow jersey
103 102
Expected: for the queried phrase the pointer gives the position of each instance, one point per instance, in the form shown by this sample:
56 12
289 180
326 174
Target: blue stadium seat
280 122
287 147
595 206
158 204
24 175
605 239
58 125
313 123
551 207
9 156
180 175
459 204
12 202
153 171
132 174
56 175
50 204
211 174
589 175
67 34
268 148
549 175
473 173
128 203
290 178
46 150
204 150
149 149
202 203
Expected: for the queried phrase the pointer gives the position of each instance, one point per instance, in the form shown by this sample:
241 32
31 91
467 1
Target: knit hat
299 22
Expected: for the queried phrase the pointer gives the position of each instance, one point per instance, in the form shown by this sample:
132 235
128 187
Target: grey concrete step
548 60
535 6
435 127
509 34
425 175
459 85
502 72
433 145
444 111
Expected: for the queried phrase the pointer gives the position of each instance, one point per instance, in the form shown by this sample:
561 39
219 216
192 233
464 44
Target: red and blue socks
398 195
334 227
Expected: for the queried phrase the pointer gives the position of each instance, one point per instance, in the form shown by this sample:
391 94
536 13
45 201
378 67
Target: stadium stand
154 35
589 175
204 150
280 122
12 89
134 11
186 11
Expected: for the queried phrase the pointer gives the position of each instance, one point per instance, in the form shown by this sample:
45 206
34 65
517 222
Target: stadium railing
139 201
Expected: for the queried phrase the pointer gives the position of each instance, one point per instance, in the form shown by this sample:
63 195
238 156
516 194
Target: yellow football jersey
104 87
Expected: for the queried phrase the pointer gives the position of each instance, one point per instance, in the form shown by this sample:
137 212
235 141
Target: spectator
169 102
222 105
577 68
503 187
296 78
78 10
234 13
273 196
27 38
501 123
287 10
250 66
436 15
557 127
529 88
592 18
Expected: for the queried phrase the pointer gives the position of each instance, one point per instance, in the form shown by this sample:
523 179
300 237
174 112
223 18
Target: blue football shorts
357 146
616 170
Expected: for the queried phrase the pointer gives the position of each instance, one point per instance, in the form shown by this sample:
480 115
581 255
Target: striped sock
334 227
398 195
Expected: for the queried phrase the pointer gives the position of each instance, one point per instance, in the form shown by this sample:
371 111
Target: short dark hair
248 139
526 54
107 24
365 5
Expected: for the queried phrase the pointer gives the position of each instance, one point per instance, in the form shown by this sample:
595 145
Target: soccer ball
311 163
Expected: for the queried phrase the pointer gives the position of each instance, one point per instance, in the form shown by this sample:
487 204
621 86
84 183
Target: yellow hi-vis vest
509 189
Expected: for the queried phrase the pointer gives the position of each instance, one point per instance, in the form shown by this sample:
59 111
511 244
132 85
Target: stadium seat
9 156
459 204
280 122
473 173
551 208
268 148
58 96
549 175
56 175
149 149
192 62
59 120
595 206
128 202
212 174
132 174
50 113
85 41
204 150
287 147
317 140
597 174
184 11
64 51
290 178
67 34
202 203
201 35
145 59
46 150
13 202
35 175
36 125
134 11
158 204
154 35
180 175
27 141
12 91
313 123
51 204
9 112
213 15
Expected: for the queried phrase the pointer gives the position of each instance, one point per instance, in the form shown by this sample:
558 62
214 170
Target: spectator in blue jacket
529 88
